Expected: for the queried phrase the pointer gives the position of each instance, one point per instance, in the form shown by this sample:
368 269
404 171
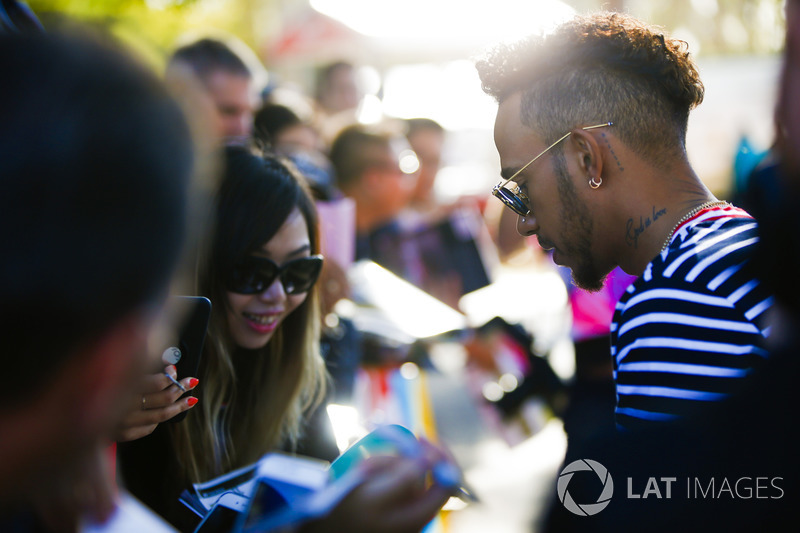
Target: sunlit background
416 59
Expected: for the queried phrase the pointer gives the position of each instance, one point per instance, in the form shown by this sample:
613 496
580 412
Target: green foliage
149 27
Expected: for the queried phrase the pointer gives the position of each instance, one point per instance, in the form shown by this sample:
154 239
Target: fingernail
193 383
191 401
173 368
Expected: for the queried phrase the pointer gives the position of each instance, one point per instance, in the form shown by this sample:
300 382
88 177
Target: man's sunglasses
256 274
514 198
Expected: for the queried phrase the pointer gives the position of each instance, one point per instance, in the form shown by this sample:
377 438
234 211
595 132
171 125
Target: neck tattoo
689 215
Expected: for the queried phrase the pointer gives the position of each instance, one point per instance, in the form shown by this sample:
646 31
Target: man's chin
589 283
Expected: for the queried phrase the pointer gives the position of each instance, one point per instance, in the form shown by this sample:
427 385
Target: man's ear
588 153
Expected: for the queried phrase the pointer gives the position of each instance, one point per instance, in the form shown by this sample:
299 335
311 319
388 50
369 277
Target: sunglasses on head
256 274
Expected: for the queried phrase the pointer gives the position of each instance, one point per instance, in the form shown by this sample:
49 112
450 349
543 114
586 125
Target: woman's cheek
294 302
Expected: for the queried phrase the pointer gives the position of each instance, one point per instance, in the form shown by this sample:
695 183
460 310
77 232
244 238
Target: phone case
191 339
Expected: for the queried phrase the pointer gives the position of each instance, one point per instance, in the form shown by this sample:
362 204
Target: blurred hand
394 498
160 401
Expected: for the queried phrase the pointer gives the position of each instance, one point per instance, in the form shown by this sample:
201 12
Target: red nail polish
190 401
193 383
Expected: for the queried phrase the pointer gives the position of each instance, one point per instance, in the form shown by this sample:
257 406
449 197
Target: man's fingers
416 513
397 480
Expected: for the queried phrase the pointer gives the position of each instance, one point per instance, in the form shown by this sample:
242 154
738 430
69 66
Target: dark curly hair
598 68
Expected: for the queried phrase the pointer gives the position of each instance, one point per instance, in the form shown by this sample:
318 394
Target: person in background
449 238
261 368
367 163
337 89
337 96
280 129
590 129
227 81
437 248
427 138
92 232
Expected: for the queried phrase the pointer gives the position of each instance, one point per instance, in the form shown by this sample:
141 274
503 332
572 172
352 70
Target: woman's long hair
254 402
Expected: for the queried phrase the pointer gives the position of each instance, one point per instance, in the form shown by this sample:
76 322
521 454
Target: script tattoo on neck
633 229
613 153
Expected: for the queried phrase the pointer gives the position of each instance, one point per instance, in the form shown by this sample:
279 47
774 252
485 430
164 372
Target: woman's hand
160 400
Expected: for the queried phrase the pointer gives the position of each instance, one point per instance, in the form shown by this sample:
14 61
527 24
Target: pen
448 475
175 382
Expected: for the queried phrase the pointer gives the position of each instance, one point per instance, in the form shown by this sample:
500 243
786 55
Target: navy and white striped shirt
692 326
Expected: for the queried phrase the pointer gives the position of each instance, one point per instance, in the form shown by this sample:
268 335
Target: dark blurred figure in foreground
95 159
16 17
735 468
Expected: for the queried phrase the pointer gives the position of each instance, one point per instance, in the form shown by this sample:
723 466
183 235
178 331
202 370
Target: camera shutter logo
585 509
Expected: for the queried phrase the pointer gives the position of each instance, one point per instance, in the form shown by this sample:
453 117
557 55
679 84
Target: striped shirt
691 328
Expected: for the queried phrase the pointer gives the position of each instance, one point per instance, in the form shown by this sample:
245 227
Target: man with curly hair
604 101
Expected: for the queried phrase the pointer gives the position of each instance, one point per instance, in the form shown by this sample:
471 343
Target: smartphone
191 337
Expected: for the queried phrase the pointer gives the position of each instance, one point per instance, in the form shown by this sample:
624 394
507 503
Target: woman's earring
595 183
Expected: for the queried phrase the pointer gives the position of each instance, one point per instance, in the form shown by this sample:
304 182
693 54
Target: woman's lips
262 323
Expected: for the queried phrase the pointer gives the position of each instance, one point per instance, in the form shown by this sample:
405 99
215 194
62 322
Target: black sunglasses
256 274
515 199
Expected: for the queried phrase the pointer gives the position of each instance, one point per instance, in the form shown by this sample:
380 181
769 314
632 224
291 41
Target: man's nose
526 225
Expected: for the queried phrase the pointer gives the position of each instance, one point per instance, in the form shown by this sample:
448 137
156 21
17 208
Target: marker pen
175 382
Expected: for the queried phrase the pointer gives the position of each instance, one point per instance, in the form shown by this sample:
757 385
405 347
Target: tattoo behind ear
613 153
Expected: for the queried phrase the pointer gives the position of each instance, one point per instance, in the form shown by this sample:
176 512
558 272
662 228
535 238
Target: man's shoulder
706 254
710 258
708 271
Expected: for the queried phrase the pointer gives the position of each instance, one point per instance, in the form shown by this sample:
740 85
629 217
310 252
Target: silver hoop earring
595 183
